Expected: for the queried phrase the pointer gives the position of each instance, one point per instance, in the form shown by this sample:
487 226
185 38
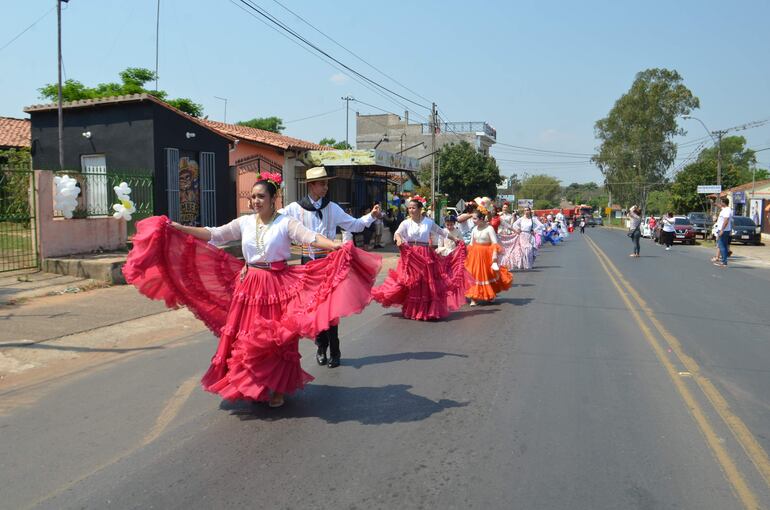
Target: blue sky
541 73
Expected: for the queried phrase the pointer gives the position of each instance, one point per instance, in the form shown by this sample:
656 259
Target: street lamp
716 136
383 139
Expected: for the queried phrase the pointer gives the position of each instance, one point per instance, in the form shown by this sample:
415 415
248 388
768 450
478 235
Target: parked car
645 228
745 231
701 222
683 231
590 221
599 221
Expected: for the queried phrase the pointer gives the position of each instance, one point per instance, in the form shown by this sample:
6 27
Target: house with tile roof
14 133
189 160
752 199
256 151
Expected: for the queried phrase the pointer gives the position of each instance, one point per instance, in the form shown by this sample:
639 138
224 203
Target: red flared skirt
425 285
487 282
259 319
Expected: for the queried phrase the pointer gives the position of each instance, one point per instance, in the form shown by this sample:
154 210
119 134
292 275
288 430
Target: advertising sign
739 197
709 189
526 202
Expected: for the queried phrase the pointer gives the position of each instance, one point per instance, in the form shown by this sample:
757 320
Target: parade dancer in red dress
426 285
259 310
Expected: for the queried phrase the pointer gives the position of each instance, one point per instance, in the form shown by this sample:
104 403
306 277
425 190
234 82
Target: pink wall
244 181
60 236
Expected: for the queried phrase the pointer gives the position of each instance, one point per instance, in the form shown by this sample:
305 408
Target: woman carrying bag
634 228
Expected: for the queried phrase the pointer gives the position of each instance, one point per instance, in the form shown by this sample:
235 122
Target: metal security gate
18 243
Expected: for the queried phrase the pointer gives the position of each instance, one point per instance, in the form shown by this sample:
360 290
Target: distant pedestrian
379 226
582 225
634 228
667 230
725 222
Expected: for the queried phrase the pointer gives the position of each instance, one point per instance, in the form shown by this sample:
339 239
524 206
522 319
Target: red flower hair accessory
420 199
274 178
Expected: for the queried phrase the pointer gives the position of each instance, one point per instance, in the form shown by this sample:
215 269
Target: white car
645 228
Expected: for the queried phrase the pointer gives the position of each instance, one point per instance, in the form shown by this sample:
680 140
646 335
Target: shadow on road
72 348
513 301
336 404
401 356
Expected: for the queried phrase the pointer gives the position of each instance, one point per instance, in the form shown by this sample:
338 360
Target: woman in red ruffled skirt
425 285
261 309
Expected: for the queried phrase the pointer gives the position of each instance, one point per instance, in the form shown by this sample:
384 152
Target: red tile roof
265 137
132 98
15 132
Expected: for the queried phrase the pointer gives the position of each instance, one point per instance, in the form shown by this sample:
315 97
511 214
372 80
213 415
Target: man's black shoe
334 362
321 358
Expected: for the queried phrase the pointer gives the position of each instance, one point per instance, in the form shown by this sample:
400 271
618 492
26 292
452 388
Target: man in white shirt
724 227
322 216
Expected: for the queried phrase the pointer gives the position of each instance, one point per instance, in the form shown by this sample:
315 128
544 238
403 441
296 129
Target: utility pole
719 134
225 100
157 41
433 126
347 100
61 117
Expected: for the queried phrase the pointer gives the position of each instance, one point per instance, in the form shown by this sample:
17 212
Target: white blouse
412 232
506 222
276 241
525 224
485 235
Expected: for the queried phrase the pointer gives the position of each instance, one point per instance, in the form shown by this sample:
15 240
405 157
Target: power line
319 57
351 52
272 19
314 116
49 11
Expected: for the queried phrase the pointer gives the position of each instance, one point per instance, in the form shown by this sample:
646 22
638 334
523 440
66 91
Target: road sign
526 202
506 198
709 189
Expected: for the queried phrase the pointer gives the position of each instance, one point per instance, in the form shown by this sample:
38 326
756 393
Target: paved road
561 395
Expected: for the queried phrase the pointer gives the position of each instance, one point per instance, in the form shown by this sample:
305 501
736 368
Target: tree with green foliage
637 146
465 173
132 81
15 166
738 163
544 189
659 202
274 124
331 142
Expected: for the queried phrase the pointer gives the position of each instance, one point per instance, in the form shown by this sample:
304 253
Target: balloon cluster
66 197
126 207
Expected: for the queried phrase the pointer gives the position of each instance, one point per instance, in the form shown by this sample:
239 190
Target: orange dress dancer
490 278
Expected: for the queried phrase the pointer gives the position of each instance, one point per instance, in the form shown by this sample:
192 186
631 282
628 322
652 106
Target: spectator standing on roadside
634 228
378 228
582 225
667 230
725 222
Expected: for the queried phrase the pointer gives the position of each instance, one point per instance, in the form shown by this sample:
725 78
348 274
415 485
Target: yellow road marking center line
730 469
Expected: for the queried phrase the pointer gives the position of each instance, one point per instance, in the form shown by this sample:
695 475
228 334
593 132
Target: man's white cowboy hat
317 173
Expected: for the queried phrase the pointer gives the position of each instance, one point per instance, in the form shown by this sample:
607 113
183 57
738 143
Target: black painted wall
132 136
122 132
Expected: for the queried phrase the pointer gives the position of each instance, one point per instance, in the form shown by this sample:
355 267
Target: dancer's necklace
262 230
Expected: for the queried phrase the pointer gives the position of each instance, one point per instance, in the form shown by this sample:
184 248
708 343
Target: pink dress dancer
258 311
425 285
524 251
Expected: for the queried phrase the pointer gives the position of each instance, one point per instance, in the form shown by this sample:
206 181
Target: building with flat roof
395 134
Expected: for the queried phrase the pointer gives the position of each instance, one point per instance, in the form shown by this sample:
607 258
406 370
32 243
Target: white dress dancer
524 250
